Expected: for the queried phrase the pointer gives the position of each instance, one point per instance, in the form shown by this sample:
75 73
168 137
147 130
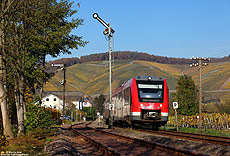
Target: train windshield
150 91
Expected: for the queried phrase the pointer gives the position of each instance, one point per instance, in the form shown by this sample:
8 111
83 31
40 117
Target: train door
126 98
119 104
122 105
115 107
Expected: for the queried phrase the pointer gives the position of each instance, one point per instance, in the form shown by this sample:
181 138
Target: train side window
120 96
126 96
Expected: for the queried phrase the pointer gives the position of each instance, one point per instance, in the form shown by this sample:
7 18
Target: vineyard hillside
92 77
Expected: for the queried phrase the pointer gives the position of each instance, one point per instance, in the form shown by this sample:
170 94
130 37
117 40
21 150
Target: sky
172 28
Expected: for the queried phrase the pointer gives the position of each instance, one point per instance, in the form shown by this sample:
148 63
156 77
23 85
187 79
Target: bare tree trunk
24 110
19 88
5 114
40 101
20 109
22 86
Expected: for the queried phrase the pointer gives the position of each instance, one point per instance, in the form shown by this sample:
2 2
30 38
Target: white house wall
52 101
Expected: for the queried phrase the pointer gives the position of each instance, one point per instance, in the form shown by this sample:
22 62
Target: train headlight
149 78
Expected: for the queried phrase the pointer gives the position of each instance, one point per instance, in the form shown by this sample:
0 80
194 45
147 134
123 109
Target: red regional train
140 101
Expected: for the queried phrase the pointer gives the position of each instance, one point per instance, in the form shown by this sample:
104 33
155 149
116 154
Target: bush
37 117
3 141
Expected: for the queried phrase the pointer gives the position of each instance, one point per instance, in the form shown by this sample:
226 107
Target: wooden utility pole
200 64
63 82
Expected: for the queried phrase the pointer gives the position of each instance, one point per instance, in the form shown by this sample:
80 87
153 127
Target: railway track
192 136
115 144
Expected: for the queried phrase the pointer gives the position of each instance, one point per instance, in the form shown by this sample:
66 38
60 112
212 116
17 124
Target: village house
52 101
80 104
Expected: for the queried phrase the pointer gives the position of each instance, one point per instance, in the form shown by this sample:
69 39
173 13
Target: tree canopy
187 96
99 103
29 31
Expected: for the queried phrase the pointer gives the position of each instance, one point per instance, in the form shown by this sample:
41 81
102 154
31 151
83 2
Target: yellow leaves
28 95
214 120
3 141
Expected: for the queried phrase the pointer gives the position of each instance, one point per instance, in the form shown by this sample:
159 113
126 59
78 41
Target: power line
221 54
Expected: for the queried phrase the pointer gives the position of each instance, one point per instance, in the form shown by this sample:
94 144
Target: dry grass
30 144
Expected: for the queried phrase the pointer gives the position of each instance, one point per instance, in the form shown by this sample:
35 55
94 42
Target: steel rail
193 136
106 149
175 150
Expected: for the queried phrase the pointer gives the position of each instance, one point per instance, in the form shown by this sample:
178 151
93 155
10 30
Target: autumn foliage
211 121
55 113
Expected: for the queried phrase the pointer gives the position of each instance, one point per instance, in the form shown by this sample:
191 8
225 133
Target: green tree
90 112
187 96
99 103
224 107
34 30
5 13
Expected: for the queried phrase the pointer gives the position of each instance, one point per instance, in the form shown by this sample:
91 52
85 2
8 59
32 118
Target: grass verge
214 132
32 143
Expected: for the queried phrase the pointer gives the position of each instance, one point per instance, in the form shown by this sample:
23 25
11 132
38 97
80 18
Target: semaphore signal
108 32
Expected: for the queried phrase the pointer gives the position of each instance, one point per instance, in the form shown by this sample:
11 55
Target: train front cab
149 104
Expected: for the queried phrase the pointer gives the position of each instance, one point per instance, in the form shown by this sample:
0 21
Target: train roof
151 78
129 82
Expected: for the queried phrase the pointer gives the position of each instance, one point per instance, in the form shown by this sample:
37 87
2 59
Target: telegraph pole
200 64
63 82
110 69
108 32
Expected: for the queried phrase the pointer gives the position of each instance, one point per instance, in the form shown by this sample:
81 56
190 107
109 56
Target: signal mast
108 32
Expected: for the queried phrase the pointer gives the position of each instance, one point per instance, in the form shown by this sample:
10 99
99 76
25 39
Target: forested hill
128 55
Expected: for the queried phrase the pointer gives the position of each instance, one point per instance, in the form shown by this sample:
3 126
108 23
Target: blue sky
172 28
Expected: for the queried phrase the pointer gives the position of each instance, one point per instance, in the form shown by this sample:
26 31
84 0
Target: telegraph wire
221 54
